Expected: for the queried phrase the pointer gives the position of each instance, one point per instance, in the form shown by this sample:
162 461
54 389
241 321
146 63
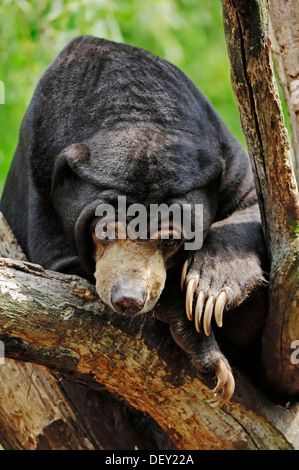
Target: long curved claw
208 315
219 307
221 379
198 310
184 273
189 298
211 308
225 386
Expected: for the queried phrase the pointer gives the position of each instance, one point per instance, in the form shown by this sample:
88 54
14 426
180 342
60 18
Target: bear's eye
171 243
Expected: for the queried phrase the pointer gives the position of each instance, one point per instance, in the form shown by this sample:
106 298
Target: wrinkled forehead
149 161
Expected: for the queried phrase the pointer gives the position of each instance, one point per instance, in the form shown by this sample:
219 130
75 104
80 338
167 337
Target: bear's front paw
215 284
206 357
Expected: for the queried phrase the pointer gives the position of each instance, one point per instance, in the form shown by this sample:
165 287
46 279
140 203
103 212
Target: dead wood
246 26
57 321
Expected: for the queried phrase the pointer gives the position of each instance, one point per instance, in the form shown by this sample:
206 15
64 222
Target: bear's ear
72 160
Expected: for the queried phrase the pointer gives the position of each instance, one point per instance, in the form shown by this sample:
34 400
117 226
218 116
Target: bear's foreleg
206 357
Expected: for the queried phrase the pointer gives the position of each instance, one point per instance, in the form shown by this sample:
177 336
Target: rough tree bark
57 321
247 34
284 34
31 403
39 411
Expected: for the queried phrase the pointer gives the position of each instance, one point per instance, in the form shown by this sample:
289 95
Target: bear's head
130 274
109 193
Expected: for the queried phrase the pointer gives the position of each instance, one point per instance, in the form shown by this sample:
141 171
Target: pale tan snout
130 276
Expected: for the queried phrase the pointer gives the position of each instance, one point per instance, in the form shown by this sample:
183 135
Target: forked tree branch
57 321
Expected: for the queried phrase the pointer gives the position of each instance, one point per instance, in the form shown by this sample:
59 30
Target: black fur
108 119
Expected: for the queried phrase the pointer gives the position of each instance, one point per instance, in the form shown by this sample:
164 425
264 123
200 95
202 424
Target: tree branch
56 320
53 413
45 418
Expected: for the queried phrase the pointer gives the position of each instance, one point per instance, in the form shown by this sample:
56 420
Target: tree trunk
284 34
32 405
34 413
246 31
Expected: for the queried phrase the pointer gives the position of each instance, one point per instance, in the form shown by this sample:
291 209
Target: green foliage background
187 33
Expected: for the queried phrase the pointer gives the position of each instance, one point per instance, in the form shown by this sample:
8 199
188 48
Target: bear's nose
127 299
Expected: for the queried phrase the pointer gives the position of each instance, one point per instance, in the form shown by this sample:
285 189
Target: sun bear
110 121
